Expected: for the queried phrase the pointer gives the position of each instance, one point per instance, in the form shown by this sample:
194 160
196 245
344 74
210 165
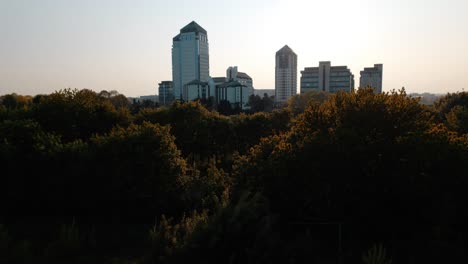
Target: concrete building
327 78
232 74
190 58
152 98
285 74
234 92
262 92
372 77
197 90
166 93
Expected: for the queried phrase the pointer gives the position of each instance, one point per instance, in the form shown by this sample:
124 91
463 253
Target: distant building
190 58
327 78
233 75
285 74
166 93
197 90
143 98
372 77
262 92
234 92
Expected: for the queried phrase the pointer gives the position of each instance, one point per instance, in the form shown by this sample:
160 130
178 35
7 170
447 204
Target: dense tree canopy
329 177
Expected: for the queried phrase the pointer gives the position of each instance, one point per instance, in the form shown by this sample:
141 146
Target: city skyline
126 46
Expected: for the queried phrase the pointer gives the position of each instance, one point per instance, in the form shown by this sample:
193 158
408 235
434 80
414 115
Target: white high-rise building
190 58
285 74
372 77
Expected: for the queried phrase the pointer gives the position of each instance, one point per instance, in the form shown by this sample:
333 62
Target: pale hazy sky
125 45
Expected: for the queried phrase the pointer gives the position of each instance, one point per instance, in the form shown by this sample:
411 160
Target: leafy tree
376 255
445 104
298 103
239 233
261 104
78 114
14 101
225 108
146 166
457 119
357 153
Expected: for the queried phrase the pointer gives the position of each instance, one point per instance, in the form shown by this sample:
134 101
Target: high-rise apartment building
327 78
190 58
372 77
285 74
166 93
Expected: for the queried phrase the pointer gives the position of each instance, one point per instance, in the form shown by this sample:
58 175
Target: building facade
232 74
197 90
327 78
234 92
285 74
190 58
372 77
166 93
262 92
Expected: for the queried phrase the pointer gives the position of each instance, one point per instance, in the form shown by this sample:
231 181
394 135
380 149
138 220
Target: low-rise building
197 89
234 92
232 74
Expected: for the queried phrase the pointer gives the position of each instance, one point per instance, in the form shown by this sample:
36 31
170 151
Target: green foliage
380 116
146 164
78 114
452 110
15 102
198 132
208 188
238 233
261 104
249 129
225 108
377 254
381 164
167 237
358 153
298 103
445 104
25 137
201 134
457 119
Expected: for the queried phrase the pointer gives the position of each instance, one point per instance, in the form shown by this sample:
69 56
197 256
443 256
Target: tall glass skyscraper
190 59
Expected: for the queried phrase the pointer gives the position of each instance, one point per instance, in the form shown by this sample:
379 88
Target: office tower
326 78
190 58
372 77
166 93
285 74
